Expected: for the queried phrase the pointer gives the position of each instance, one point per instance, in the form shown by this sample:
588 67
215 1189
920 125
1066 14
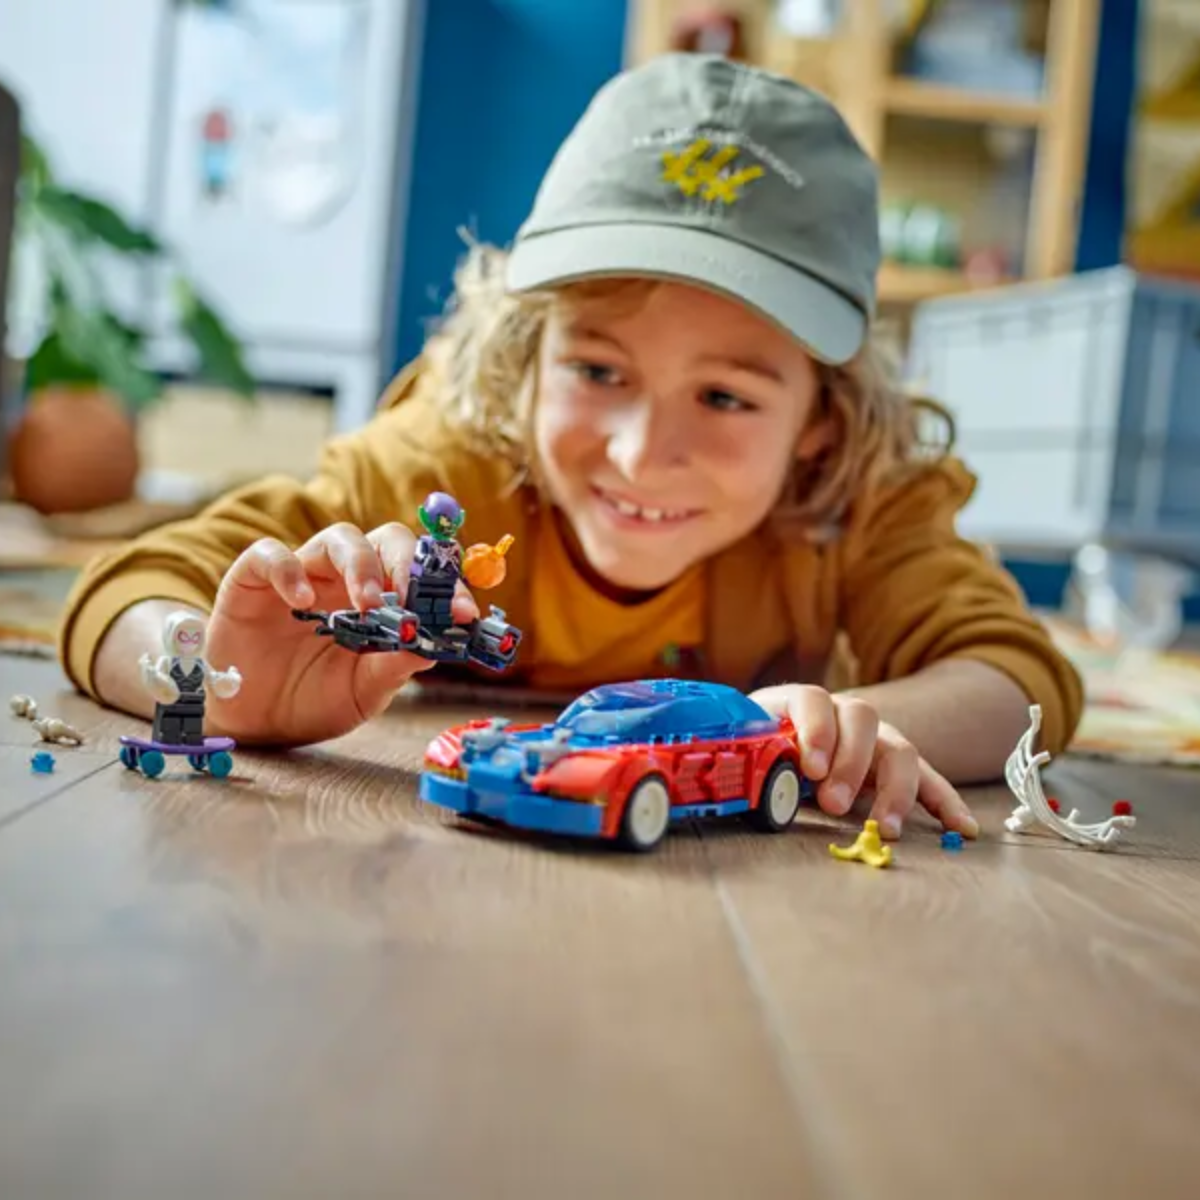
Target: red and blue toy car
623 762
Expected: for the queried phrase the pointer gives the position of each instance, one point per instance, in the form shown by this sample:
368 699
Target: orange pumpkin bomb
484 566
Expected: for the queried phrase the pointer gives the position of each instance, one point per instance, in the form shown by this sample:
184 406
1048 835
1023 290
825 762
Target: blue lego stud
42 762
952 840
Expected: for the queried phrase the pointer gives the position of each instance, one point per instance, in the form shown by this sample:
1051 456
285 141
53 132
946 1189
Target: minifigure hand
161 687
844 746
227 684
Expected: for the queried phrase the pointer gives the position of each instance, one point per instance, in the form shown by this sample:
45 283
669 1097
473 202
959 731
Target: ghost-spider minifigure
179 681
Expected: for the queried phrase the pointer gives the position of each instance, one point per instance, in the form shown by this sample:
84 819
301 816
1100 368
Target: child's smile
632 514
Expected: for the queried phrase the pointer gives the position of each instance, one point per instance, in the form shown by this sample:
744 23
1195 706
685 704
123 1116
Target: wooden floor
300 982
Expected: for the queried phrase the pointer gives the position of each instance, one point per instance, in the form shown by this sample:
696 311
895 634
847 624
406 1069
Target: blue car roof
664 708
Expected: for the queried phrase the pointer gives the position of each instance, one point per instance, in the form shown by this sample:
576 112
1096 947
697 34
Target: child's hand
844 745
296 687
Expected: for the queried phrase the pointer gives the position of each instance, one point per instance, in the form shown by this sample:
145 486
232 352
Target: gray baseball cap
696 168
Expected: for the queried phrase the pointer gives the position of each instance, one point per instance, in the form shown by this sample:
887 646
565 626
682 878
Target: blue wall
502 82
1103 211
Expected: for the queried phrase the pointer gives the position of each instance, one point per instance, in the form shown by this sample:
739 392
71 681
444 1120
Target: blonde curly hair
482 363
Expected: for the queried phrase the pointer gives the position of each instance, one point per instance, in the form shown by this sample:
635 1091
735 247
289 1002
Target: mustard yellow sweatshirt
898 584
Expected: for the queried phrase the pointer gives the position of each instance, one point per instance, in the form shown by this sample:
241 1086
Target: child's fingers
395 545
941 799
897 772
853 756
267 563
379 677
813 714
464 607
343 552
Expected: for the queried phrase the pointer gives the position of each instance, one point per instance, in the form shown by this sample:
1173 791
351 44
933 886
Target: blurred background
224 224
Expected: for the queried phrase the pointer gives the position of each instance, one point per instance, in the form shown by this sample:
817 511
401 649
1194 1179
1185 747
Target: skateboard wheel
152 763
220 764
196 762
129 757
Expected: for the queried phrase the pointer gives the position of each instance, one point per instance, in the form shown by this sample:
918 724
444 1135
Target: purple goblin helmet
441 512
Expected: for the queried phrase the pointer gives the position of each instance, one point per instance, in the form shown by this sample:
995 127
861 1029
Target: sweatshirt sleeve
366 478
915 592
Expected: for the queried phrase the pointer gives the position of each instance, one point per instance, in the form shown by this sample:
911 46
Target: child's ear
816 439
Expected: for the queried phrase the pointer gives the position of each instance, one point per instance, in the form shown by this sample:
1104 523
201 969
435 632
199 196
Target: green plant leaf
221 360
35 167
51 365
89 219
95 338
86 343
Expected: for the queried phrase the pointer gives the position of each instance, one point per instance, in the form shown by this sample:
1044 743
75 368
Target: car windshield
613 722
612 712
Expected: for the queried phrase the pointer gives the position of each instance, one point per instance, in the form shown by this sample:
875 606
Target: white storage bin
1078 406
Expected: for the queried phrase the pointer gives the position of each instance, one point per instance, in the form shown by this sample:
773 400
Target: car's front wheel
647 814
779 800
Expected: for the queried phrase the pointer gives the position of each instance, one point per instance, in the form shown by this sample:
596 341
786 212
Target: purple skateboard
212 755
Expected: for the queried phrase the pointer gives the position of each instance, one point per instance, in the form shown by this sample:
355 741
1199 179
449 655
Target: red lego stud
1122 808
1050 800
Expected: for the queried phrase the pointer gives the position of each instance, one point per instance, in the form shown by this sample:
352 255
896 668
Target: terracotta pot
73 449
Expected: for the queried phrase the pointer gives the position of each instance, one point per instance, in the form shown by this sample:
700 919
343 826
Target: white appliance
267 142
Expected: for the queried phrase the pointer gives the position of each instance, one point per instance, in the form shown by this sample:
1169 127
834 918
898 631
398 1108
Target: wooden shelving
856 67
914 98
906 285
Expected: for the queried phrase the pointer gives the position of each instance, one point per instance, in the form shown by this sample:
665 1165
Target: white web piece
1022 772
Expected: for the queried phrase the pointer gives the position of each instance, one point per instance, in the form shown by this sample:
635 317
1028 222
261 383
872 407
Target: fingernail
839 797
818 762
890 826
372 595
970 827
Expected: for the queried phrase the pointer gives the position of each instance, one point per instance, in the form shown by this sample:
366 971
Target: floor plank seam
13 817
826 1146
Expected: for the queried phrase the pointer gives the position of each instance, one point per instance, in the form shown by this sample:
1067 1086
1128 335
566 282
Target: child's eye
596 373
725 401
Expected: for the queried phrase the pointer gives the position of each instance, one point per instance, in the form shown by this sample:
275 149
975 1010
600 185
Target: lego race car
623 762
490 641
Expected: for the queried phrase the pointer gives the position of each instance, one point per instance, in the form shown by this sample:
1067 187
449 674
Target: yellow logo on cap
691 172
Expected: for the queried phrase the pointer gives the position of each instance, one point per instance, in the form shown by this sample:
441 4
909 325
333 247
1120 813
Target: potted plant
85 375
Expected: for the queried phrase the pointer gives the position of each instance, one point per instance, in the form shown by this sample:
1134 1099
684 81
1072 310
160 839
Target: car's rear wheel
779 800
647 814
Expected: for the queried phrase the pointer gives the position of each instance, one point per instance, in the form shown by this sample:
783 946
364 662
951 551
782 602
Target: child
666 394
